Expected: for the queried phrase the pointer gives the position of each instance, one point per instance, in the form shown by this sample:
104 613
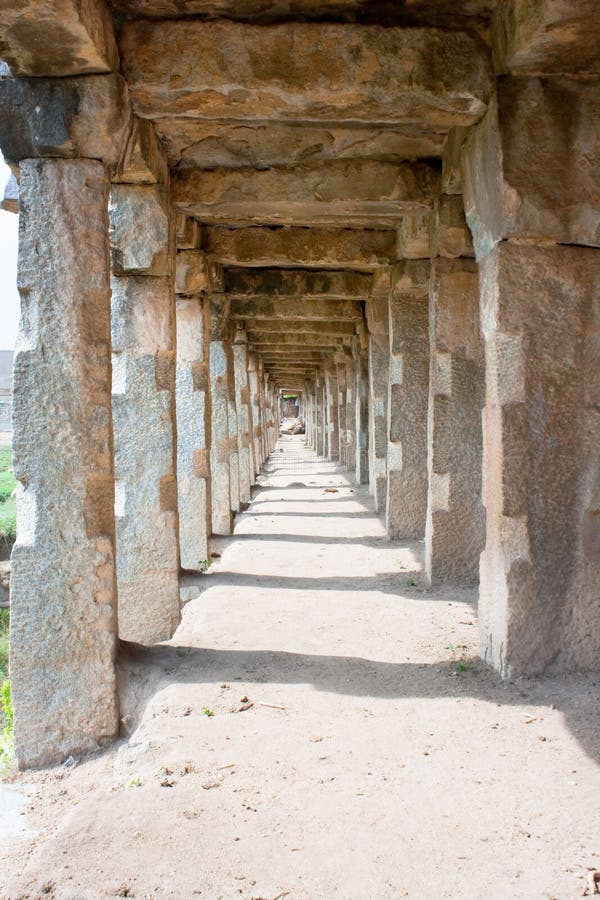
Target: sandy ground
319 727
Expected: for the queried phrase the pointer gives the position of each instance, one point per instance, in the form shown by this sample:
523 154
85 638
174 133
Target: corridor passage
319 727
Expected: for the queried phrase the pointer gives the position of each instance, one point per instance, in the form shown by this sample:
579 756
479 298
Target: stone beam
350 193
268 327
345 248
286 340
202 144
337 285
534 37
305 72
312 310
56 39
87 117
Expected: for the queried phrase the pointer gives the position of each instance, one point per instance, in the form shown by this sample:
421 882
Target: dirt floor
319 727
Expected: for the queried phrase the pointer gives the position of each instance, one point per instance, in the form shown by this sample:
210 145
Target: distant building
6 380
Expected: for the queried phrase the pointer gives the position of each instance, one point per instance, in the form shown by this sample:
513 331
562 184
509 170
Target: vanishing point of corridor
319 726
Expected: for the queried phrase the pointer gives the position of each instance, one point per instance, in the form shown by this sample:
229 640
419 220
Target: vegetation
6 711
8 512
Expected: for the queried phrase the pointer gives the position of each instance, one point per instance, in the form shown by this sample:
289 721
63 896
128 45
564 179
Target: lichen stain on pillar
63 596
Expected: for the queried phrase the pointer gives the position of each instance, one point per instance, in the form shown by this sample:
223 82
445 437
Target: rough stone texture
310 311
187 232
63 590
305 72
451 161
535 37
362 418
192 275
347 193
406 506
193 432
255 417
349 441
145 489
455 528
219 446
304 247
139 230
57 37
532 167
332 416
540 569
197 143
337 285
413 238
450 235
65 117
379 365
277 327
144 160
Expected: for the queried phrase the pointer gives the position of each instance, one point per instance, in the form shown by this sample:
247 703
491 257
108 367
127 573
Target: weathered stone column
193 431
220 360
540 568
362 416
63 585
246 463
256 413
143 344
455 529
407 400
379 357
350 399
321 406
232 419
341 410
332 427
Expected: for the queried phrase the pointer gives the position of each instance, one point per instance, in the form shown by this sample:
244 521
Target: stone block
139 230
451 161
63 591
192 275
519 164
413 238
144 160
54 38
67 118
10 200
450 235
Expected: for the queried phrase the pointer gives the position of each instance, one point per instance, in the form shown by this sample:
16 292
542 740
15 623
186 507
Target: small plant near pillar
203 565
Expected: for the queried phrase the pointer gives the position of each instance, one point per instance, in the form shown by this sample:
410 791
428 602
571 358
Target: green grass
8 512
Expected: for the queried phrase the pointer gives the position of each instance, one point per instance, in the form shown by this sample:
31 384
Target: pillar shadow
577 697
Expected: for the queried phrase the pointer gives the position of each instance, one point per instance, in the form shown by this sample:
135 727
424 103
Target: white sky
9 297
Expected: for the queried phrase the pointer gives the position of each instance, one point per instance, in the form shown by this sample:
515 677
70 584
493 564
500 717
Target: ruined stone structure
392 209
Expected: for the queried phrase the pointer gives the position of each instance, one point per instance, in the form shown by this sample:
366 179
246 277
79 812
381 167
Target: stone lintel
305 310
267 327
347 193
47 38
295 283
144 160
343 248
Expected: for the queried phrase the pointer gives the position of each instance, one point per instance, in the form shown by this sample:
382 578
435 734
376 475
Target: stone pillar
455 529
320 414
232 419
540 568
256 413
219 360
341 410
362 416
407 401
143 344
242 402
379 357
63 585
193 431
332 427
350 395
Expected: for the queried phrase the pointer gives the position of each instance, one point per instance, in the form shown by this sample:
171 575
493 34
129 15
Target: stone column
193 431
256 413
362 416
219 361
407 401
234 447
540 315
246 463
320 414
350 395
341 410
143 343
332 427
455 528
379 358
63 585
